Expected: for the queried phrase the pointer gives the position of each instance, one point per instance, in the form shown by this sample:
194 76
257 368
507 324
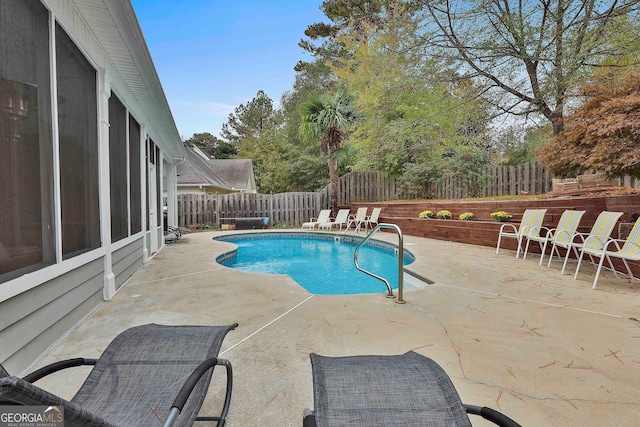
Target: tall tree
355 16
306 171
604 133
248 120
418 126
329 118
214 147
531 55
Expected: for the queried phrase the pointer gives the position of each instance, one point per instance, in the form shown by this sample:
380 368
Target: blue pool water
317 262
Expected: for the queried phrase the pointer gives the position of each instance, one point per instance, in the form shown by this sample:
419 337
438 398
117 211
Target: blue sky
213 55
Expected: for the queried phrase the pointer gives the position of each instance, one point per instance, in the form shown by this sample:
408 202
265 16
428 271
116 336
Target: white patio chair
594 241
630 251
323 217
564 231
372 219
529 226
341 219
357 219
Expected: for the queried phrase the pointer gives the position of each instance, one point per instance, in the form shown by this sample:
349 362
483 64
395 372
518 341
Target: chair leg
519 246
613 269
595 280
498 245
631 276
526 249
543 249
566 258
553 248
575 276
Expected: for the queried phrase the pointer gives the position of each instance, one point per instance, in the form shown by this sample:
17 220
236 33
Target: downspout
172 192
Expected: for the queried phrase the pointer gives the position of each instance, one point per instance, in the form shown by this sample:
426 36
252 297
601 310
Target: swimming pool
320 263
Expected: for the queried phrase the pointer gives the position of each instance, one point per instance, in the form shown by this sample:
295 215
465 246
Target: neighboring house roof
225 174
195 170
236 172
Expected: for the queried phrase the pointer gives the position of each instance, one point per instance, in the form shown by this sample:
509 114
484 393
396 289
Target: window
135 191
26 187
78 138
118 169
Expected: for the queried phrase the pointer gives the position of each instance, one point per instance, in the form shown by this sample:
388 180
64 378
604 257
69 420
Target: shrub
207 227
426 214
444 214
501 216
282 225
467 216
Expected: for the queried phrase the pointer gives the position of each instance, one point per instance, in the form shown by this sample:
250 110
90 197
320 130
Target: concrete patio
541 347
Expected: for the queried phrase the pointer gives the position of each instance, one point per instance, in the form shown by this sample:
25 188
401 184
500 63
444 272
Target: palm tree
328 118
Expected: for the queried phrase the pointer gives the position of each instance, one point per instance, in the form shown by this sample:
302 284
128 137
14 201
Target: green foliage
417 180
467 164
413 121
282 225
214 147
444 214
424 121
514 145
249 120
209 226
329 118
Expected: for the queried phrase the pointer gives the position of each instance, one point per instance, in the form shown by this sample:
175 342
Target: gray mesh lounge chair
149 375
403 390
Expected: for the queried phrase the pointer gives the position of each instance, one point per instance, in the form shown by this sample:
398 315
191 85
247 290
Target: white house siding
126 261
39 307
32 320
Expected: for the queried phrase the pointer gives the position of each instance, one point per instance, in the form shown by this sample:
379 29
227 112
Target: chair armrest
582 236
538 230
617 242
515 229
308 419
599 239
190 383
58 366
492 415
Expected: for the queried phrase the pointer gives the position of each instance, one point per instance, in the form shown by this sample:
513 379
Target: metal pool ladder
380 226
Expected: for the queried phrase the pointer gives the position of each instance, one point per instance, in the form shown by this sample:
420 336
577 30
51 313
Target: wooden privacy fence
297 207
362 187
527 178
292 208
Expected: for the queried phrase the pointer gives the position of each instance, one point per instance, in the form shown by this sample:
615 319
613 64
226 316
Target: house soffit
116 27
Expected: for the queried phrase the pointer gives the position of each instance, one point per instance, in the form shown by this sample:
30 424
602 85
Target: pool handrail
380 226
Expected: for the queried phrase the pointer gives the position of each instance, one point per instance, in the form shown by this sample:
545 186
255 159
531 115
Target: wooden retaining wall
484 231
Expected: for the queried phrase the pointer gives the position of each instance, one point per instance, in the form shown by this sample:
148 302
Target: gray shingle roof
229 174
236 172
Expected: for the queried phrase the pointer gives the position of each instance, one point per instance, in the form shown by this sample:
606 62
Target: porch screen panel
118 168
135 191
159 186
78 137
26 187
148 150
